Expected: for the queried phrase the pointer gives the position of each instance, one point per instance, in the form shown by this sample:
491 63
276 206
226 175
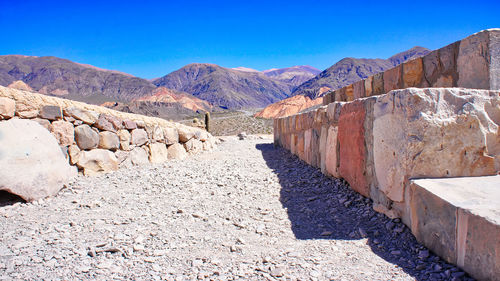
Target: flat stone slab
459 219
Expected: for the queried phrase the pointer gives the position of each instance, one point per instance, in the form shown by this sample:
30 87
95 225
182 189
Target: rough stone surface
64 132
124 136
158 152
352 151
129 124
177 151
85 137
139 137
171 135
434 133
472 62
139 156
458 218
86 116
193 145
27 114
45 123
32 165
109 140
378 84
392 79
332 152
244 211
494 47
413 72
97 161
74 154
108 122
51 112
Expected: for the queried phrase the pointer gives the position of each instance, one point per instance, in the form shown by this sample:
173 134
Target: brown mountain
225 87
61 77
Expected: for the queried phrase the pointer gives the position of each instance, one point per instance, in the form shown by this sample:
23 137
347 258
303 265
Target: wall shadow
8 199
321 207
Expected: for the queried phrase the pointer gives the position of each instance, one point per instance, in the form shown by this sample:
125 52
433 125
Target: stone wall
97 139
473 62
379 144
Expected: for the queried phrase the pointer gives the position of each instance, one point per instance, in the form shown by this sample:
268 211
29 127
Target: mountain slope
295 75
349 70
61 77
224 87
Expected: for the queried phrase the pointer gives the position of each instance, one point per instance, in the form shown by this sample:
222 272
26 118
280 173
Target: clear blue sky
150 39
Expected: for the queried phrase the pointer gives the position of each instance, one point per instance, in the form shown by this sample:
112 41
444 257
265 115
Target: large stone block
434 133
392 79
368 86
86 116
351 137
473 61
171 135
359 89
108 122
413 73
458 219
139 137
50 112
378 84
109 140
32 165
124 136
176 151
158 152
349 92
494 47
332 152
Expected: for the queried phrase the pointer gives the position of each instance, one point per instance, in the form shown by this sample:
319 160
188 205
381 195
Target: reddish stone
351 137
392 79
359 89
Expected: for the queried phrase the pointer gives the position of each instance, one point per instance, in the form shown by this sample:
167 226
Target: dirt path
244 211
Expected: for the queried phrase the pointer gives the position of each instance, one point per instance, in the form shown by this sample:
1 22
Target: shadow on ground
320 207
7 199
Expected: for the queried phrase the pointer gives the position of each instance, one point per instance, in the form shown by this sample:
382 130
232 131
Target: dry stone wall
473 62
97 139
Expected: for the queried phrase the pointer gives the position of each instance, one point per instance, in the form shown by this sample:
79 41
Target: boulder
63 131
109 140
85 137
139 137
50 112
124 137
107 122
97 161
86 116
7 108
171 135
177 151
33 166
158 152
74 154
139 156
437 132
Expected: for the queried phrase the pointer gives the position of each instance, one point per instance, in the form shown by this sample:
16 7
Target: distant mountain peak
245 69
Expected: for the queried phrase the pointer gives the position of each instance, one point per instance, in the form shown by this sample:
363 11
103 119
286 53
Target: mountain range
192 88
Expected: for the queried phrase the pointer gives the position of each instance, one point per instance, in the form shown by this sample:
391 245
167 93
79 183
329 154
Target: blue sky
150 39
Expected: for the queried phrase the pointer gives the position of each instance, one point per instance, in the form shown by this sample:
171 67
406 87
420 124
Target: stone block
332 152
352 151
86 116
440 66
44 122
50 112
124 136
97 161
442 132
473 62
139 137
378 84
413 73
171 135
64 132
494 47
108 122
368 84
158 152
109 140
85 137
392 79
7 108
359 89
27 114
176 151
139 156
349 92
458 219
322 147
129 124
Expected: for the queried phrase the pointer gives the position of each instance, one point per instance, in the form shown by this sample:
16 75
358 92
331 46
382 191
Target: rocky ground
245 211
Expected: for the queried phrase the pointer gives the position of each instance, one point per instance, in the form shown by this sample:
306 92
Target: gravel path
245 211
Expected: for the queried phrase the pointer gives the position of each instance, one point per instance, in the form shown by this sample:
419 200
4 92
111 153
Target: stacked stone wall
97 139
473 62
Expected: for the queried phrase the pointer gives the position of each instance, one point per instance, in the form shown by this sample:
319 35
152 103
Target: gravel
244 211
